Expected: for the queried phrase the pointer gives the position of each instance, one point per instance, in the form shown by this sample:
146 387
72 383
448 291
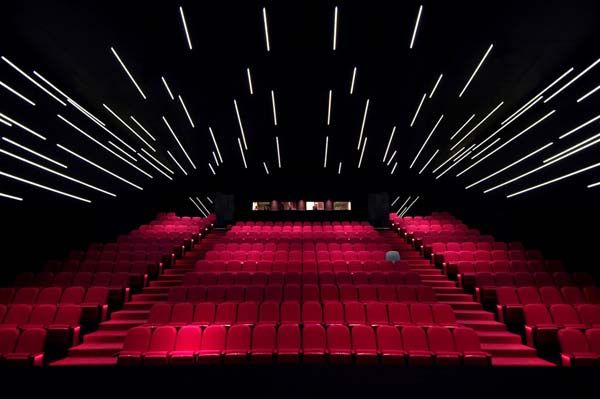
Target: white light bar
202 204
414 35
389 143
462 127
44 187
7 123
592 139
178 142
274 108
436 85
392 158
266 29
10 154
122 151
362 127
167 87
589 93
242 152
142 127
128 127
16 93
154 166
593 185
186 111
237 112
362 153
22 126
476 70
353 80
98 166
508 142
329 108
396 200
453 156
340 168
249 81
426 140
579 127
554 180
187 33
518 161
394 168
458 160
11 197
428 162
266 169
209 200
278 154
127 72
485 149
197 206
326 149
216 159
157 161
16 68
212 135
404 204
476 126
418 109
212 169
572 80
410 206
335 24
177 163
118 138
21 146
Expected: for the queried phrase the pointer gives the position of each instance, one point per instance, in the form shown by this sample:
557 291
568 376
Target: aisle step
96 349
521 362
150 297
473 315
499 337
119 325
93 361
130 315
509 350
105 337
482 325
454 297
464 305
139 305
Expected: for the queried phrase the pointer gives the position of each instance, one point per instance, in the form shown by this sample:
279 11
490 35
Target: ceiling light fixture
212 135
128 127
249 81
476 70
186 111
16 68
187 33
22 126
389 143
266 169
157 161
572 80
11 197
167 87
476 126
462 127
266 29
176 162
274 108
428 162
426 140
154 166
122 151
237 112
329 108
242 152
570 132
436 85
352 83
21 146
454 156
394 168
362 127
414 35
127 72
418 109
340 168
589 93
16 93
43 187
326 149
178 142
212 169
143 128
335 24
458 160
278 154
362 153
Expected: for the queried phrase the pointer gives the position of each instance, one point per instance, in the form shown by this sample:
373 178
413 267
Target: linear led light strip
216 159
212 169
540 93
585 144
362 127
237 112
167 87
7 123
458 160
278 154
185 28
21 146
589 93
518 161
142 127
410 206
10 154
436 85
570 132
11 197
507 124
16 93
176 162
186 110
389 143
477 125
476 70
274 109
396 200
579 171
326 149
209 200
353 80
428 162
127 72
414 35
202 205
44 187
197 206
362 153
266 29
486 148
425 142
394 168
266 169
249 81
129 127
178 142
22 126
212 135
340 168
335 24
102 145
154 166
242 152
117 137
16 68
403 205
329 108
391 158
98 166
454 156
157 161
593 185
586 70
508 142
418 109
462 127
122 151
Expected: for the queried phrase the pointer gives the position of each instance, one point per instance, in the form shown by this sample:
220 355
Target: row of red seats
489 281
261 278
268 266
306 292
301 223
22 348
141 267
51 316
336 228
284 255
117 280
300 246
313 344
270 312
579 349
467 268
339 237
54 295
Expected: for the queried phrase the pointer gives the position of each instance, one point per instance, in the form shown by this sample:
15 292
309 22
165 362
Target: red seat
213 344
136 343
49 295
247 313
290 313
364 344
160 313
355 313
565 316
17 315
329 292
399 314
312 312
288 343
550 295
238 344
376 313
41 316
161 344
182 314
540 330
264 344
441 344
204 314
26 296
575 350
589 315
269 313
389 343
415 344
420 314
313 343
467 342
29 350
572 295
333 313
443 315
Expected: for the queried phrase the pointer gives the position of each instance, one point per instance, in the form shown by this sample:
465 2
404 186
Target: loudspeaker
379 209
224 208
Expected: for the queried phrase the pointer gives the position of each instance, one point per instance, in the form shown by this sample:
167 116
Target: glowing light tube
396 200
266 29
242 152
185 28
462 127
154 166
486 148
178 142
16 93
127 72
249 81
362 127
391 158
209 200
326 149
274 109
216 159
583 143
278 154
340 168
477 125
266 169
16 68
429 161
436 85
589 93
394 168
122 151
202 205
418 109
426 140
404 204
410 206
128 127
389 143
212 169
353 80
29 150
454 156
335 25
43 187
167 87
197 206
570 132
177 163
586 70
237 112
414 35
28 130
157 161
3 195
186 110
212 135
143 128
329 108
362 153
476 70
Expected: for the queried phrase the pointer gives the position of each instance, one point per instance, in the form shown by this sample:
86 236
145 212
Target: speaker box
224 209
379 209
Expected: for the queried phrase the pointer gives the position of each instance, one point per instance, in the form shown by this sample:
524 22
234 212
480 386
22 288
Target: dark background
69 43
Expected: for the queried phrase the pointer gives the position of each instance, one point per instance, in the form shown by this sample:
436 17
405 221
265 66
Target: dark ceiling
69 43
